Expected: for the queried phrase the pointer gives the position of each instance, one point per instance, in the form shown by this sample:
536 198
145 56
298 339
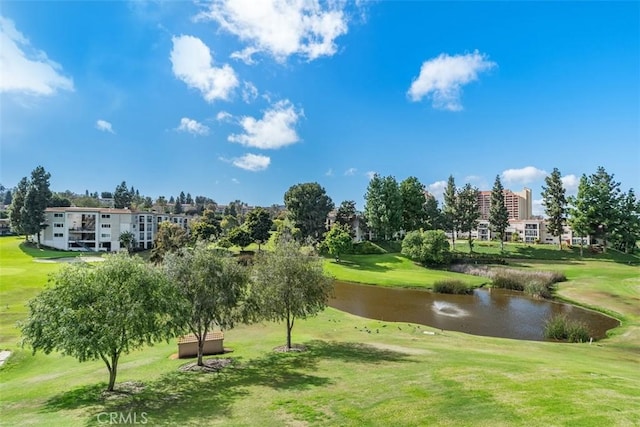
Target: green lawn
399 376
390 270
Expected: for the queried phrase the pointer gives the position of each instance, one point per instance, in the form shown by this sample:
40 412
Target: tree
58 201
206 227
450 208
346 215
286 231
467 211
258 224
182 198
212 288
189 199
8 197
603 202
122 197
413 204
106 195
127 240
578 211
627 231
433 215
338 240
241 237
169 238
177 208
498 213
555 204
383 206
429 247
290 285
101 312
17 204
35 202
308 206
228 223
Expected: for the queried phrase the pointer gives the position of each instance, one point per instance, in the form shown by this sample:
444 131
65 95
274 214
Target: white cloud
570 182
442 78
370 174
193 127
104 126
235 181
25 69
192 63
524 175
437 189
280 28
329 172
249 92
223 116
252 162
275 129
350 171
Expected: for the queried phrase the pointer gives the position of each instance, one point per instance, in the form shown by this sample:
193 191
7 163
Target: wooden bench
188 345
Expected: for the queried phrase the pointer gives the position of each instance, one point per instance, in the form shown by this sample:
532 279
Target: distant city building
518 203
99 229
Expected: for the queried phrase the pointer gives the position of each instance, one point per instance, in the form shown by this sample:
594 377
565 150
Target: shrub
451 286
561 328
427 247
505 280
368 248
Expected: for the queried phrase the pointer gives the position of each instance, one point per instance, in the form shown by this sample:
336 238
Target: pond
488 312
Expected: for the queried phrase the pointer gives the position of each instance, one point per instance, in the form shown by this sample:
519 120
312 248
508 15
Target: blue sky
242 99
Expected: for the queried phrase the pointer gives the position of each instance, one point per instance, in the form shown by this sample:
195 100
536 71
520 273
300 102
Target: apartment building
99 229
528 231
518 203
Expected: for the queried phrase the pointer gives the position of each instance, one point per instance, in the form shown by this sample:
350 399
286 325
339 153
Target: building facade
99 229
518 203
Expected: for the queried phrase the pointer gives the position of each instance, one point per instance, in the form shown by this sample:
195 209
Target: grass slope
399 376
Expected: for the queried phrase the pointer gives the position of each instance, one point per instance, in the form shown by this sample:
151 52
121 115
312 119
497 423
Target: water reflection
496 312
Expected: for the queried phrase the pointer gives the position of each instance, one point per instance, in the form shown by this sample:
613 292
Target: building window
58 225
141 236
104 235
149 218
58 235
58 215
105 225
105 216
149 236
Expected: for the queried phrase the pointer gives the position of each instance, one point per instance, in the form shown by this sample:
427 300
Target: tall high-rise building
518 203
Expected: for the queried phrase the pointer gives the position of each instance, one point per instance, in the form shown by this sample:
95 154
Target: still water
489 312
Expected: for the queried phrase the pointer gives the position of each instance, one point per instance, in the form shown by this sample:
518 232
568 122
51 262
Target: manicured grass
348 377
391 270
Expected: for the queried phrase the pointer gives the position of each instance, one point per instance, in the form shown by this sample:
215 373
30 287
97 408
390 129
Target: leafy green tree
189 199
177 208
578 211
383 206
603 201
555 204
308 206
101 312
467 211
228 223
127 241
450 208
212 287
122 198
58 201
433 216
498 213
429 247
239 236
258 222
338 240
8 197
169 238
287 231
35 202
346 215
290 284
207 227
413 198
627 231
182 198
17 205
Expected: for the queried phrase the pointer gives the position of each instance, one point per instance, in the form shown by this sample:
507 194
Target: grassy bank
399 376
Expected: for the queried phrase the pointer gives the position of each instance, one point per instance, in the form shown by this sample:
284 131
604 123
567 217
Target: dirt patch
4 355
210 365
123 390
296 348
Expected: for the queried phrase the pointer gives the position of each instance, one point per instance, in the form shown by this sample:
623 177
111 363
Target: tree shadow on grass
369 263
193 397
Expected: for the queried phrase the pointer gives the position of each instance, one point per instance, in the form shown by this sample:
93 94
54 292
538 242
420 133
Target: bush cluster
451 286
561 328
368 248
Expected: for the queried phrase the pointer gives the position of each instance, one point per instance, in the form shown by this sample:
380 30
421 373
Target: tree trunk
470 244
560 241
113 370
201 338
289 327
581 244
453 238
502 242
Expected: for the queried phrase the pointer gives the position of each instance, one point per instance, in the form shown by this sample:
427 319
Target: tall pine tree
498 213
555 204
15 210
449 209
468 211
578 211
35 202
